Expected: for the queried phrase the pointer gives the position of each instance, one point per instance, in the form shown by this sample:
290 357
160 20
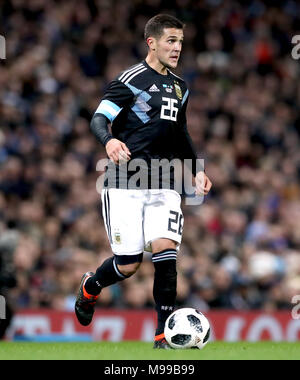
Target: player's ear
151 42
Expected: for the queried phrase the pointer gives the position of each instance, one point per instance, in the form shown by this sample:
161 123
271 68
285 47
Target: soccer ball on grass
187 328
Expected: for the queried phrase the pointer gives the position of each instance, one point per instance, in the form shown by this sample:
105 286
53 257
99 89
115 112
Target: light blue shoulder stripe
111 104
108 109
185 97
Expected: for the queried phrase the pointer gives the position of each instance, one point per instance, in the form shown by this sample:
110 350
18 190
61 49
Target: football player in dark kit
146 105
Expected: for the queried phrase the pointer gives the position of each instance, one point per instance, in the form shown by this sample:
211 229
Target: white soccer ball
187 328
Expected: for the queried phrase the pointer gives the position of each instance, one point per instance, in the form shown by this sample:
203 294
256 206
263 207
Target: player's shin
107 274
164 288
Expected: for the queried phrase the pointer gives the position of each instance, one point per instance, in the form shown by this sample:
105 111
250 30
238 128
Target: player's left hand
203 184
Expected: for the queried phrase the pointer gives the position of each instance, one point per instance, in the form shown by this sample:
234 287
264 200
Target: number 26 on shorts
175 223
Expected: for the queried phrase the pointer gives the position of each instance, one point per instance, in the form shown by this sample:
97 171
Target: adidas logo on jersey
154 88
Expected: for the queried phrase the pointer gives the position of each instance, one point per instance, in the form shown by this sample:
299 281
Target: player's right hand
203 183
117 151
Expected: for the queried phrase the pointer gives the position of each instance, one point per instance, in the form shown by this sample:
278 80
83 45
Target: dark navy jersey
147 111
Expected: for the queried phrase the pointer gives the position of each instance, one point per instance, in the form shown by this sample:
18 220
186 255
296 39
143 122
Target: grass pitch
144 351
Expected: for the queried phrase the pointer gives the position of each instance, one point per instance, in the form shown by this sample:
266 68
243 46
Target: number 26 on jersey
169 109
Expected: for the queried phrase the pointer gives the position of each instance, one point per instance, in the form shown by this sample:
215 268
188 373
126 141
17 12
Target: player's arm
203 183
116 98
116 150
188 151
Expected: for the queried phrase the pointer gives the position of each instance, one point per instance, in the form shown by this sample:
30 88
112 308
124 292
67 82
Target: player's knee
128 269
162 244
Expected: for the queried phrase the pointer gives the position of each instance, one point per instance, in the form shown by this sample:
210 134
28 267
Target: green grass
144 351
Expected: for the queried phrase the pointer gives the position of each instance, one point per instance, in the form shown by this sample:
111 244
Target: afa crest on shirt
178 90
117 238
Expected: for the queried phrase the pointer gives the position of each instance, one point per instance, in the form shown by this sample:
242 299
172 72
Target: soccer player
146 107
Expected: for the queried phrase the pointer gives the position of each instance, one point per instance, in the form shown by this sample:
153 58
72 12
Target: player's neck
156 65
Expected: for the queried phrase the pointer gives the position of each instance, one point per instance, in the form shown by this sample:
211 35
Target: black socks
164 287
107 274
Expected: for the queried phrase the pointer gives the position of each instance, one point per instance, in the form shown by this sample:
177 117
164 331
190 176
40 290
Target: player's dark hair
155 26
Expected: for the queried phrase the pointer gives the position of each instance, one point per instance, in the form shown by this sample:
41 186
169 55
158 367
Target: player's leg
114 269
164 256
163 224
92 284
122 212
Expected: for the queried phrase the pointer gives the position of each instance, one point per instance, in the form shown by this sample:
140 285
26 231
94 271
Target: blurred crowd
241 247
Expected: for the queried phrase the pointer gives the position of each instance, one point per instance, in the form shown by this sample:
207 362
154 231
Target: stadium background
241 248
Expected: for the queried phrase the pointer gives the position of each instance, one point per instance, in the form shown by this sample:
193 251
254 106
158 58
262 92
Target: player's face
168 47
